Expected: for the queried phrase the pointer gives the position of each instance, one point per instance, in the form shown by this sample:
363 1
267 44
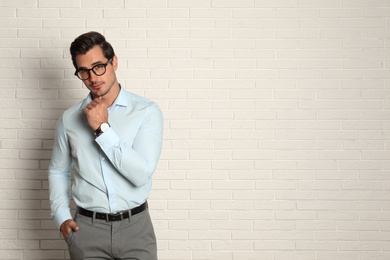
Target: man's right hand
68 226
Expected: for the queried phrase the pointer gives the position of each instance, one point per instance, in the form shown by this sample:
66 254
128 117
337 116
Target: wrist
102 128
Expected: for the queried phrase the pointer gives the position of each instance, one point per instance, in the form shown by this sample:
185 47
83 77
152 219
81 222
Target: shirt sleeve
138 161
59 176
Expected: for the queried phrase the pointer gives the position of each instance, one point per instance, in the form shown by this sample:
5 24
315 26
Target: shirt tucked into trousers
112 173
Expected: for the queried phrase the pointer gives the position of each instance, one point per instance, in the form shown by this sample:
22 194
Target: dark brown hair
87 41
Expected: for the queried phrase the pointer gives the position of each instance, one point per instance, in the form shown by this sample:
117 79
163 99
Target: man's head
86 42
96 63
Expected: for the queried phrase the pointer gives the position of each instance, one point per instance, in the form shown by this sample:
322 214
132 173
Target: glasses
98 70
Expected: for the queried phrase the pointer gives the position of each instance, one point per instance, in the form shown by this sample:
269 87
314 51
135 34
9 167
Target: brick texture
277 133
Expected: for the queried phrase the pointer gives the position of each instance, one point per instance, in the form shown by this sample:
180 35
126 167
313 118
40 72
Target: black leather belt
117 216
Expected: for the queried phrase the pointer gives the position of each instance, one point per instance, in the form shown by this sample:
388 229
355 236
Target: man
112 141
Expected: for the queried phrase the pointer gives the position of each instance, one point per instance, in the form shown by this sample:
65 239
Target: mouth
96 86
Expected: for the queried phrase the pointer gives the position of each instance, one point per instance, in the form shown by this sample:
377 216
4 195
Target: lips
96 86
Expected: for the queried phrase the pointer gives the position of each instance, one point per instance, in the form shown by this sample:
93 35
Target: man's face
98 85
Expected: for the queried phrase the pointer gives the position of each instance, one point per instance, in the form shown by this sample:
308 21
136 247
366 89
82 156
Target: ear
115 62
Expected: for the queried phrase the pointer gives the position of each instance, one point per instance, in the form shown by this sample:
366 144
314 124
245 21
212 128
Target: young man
112 141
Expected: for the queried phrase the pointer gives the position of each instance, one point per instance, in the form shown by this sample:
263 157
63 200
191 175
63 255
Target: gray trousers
132 238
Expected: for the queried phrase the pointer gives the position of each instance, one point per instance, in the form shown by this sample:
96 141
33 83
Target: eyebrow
93 64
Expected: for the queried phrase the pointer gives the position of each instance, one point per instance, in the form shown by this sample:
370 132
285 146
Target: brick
209 13
278 245
253 12
361 3
47 254
15 244
266 225
192 23
189 245
107 23
11 254
297 34
172 13
337 255
297 12
190 84
282 25
232 4
322 246
216 74
295 195
63 23
253 34
210 33
214 195
190 43
20 23
85 13
319 4
272 44
9 194
232 244
356 185
50 4
302 255
232 165
277 3
174 74
100 4
188 3
277 64
275 185
295 54
363 23
8 12
176 255
376 12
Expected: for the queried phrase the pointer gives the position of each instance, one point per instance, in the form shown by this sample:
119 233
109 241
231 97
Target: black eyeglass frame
76 73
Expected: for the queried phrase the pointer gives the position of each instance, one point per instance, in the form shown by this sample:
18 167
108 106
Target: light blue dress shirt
112 172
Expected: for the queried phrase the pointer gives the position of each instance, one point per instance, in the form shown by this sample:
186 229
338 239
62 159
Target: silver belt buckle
115 214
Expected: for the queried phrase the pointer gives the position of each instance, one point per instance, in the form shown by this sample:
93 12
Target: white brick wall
277 133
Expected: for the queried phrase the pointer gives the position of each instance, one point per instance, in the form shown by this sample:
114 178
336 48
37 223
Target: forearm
59 175
59 190
135 155
134 161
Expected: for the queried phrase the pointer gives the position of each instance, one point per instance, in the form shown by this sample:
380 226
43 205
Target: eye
83 71
99 66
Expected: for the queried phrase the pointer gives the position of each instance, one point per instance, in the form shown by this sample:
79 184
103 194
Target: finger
65 229
92 105
97 100
73 225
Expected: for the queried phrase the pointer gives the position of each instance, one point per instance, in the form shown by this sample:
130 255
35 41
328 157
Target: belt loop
93 217
129 215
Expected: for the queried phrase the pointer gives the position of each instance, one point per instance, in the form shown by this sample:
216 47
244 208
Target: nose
92 76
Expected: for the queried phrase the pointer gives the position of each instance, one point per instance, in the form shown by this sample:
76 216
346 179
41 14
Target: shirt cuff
108 139
61 216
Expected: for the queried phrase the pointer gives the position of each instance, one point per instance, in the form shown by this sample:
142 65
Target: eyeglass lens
98 70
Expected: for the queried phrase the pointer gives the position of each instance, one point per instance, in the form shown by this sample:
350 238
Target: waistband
116 216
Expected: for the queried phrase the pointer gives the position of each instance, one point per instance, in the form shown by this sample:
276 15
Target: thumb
100 103
73 225
103 104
